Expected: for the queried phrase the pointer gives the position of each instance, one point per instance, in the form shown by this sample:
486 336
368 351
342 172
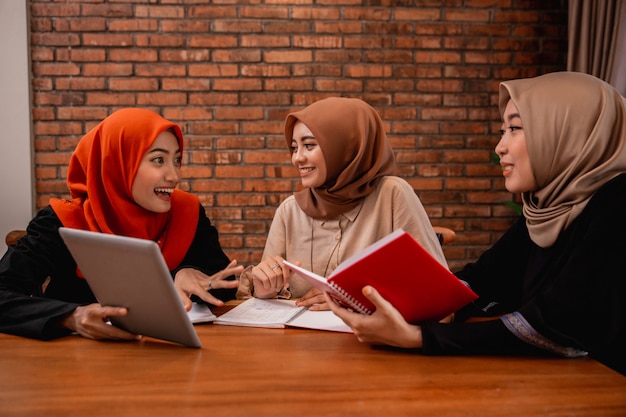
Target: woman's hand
270 277
92 321
314 299
385 326
190 281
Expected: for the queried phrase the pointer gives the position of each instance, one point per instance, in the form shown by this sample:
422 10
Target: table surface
244 371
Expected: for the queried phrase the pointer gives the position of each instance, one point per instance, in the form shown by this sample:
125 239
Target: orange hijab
356 151
101 173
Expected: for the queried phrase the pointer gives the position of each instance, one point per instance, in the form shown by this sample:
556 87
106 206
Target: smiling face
514 159
158 174
307 157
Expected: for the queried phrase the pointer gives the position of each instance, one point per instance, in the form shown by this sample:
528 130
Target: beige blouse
321 245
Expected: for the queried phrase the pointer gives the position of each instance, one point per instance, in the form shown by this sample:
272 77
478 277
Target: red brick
53 69
159 40
468 15
144 25
259 40
193 55
418 14
106 69
421 42
188 113
237 85
449 29
186 84
55 9
160 99
108 10
339 86
212 99
160 70
80 25
45 173
315 70
368 43
62 128
264 186
133 84
128 55
444 114
263 12
238 172
370 71
93 39
110 99
213 128
81 113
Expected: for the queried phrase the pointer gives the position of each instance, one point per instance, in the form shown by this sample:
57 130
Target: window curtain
597 40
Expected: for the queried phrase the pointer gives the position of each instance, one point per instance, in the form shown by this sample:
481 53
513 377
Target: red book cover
403 272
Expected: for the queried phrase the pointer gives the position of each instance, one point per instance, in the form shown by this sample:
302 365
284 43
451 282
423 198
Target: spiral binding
352 302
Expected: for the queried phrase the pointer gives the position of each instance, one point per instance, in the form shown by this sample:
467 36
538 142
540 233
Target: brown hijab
575 128
356 150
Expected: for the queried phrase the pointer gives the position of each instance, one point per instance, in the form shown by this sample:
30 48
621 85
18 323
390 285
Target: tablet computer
130 272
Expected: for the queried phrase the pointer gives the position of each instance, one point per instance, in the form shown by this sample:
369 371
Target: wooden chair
444 234
12 237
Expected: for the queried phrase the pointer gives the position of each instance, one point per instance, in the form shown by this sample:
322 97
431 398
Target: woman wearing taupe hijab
349 199
555 282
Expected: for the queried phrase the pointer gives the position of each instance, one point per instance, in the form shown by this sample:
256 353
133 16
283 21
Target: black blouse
25 311
568 299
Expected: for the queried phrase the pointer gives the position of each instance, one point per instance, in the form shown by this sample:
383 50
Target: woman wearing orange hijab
122 179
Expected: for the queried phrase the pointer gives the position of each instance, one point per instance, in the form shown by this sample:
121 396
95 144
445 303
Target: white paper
201 313
256 312
277 313
320 320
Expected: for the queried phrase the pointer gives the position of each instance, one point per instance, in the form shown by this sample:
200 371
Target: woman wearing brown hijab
349 199
554 282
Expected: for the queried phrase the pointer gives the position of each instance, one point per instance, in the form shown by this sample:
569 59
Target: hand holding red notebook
403 272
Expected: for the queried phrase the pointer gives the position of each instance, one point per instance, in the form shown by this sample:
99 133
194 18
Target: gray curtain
597 40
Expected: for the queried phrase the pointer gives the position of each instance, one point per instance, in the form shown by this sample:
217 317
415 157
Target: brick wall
228 72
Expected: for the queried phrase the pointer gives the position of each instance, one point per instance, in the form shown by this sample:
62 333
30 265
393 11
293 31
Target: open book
275 313
403 272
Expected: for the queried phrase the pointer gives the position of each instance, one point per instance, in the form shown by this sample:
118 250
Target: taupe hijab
356 150
575 128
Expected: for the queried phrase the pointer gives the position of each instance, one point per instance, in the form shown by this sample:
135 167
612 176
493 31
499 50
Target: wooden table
290 372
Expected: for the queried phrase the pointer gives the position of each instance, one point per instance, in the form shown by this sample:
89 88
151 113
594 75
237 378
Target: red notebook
403 272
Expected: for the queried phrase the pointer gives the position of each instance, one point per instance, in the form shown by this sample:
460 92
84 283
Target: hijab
100 177
356 151
575 128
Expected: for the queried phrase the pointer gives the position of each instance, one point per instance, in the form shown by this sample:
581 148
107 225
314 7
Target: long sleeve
206 254
23 270
321 245
497 278
566 299
27 311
